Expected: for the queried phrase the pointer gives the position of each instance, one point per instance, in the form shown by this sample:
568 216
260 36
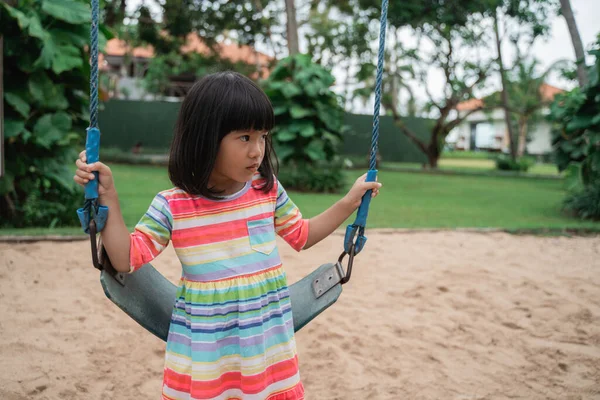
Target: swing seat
148 297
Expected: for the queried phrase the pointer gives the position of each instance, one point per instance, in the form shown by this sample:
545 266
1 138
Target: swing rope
353 246
92 215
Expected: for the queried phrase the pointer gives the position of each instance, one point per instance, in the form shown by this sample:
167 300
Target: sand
427 315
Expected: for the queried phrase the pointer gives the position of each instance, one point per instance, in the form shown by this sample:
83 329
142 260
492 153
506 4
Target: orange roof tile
233 52
547 93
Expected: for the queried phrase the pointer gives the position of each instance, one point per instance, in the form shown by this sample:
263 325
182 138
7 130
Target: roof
233 52
547 93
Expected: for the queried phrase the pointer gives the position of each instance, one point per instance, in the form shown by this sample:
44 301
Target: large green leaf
290 89
315 150
70 11
35 27
66 58
47 93
308 131
51 128
13 127
579 122
300 112
283 135
21 18
18 103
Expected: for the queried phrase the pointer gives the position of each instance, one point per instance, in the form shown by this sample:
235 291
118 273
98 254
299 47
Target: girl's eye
245 138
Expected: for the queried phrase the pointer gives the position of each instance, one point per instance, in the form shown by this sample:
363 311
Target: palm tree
567 12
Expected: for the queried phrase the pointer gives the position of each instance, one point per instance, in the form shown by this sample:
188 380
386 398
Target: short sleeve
289 223
152 234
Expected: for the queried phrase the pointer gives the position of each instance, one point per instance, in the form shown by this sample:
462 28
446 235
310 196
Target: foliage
308 113
506 163
576 139
319 178
175 66
46 80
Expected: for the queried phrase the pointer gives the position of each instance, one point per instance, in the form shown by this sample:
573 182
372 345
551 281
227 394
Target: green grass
407 200
476 165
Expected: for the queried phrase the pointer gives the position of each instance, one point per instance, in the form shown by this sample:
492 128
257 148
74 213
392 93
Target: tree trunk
567 12
292 27
505 102
522 136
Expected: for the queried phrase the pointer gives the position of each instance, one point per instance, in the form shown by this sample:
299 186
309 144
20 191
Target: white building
486 129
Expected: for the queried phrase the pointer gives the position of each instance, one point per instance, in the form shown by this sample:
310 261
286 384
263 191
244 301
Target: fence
125 123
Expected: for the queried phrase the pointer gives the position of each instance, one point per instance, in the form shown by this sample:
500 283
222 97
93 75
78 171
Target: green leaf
35 27
300 112
51 128
47 55
315 150
290 90
284 151
47 93
66 58
279 110
283 135
596 120
21 18
18 103
70 11
308 131
13 127
579 122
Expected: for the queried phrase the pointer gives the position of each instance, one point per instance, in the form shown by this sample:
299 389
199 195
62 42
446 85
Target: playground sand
436 315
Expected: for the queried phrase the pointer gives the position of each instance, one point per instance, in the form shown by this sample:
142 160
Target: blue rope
91 209
94 66
378 83
363 211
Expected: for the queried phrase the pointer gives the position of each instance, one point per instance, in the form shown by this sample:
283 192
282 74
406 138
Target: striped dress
231 334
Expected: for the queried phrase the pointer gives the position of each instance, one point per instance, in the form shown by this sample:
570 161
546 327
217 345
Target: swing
147 296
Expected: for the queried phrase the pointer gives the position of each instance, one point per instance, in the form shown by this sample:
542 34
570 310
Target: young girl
231 334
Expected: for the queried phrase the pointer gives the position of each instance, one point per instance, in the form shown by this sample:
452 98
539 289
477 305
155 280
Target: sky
558 46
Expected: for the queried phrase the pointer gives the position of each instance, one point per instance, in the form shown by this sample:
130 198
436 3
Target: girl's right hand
84 174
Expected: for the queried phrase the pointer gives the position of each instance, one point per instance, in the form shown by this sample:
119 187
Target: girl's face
240 155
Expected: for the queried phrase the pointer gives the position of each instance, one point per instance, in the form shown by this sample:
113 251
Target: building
123 67
485 129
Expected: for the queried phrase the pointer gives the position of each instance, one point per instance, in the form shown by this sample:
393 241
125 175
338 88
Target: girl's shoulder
174 193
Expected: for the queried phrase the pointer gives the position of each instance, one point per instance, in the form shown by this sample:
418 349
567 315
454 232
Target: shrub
309 122
322 178
46 81
506 163
585 203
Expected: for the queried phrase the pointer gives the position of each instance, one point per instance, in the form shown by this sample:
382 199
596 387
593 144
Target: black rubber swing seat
148 297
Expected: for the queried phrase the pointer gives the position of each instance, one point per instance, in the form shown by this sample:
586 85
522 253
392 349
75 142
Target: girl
231 334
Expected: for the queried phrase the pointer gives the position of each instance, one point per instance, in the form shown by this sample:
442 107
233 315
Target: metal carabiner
351 255
93 232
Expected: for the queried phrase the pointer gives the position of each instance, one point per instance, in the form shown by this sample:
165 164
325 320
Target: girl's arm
115 235
324 224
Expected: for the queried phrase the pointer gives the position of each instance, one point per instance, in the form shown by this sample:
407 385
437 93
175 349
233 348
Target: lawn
407 200
475 165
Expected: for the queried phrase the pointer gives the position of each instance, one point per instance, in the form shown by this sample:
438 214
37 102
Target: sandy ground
446 315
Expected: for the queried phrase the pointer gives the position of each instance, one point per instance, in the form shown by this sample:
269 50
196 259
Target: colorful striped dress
231 334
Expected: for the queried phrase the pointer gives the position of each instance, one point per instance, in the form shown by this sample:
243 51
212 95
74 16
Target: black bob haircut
215 106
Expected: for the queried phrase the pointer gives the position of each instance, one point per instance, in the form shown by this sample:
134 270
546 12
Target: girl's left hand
360 187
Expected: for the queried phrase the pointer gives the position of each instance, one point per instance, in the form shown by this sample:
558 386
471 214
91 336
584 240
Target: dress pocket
261 234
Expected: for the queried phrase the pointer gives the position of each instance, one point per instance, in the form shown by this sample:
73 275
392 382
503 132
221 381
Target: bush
585 203
46 81
506 163
322 178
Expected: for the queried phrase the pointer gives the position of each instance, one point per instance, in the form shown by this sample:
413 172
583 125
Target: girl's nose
256 149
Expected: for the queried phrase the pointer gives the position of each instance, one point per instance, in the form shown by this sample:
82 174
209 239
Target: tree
576 139
529 19
46 78
292 27
567 13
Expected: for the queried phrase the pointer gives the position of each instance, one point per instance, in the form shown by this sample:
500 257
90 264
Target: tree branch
398 122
